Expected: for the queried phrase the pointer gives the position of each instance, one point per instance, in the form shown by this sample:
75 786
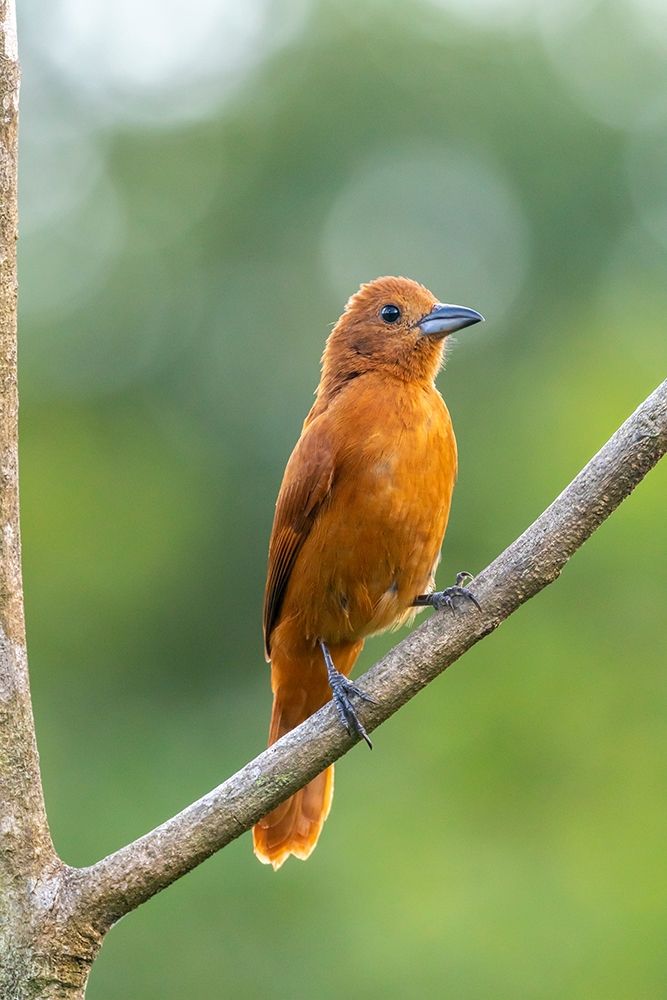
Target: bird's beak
444 319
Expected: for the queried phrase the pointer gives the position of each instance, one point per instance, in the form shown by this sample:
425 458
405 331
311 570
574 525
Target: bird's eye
390 313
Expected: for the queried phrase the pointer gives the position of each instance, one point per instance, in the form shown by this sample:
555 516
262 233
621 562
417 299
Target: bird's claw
447 598
341 689
352 688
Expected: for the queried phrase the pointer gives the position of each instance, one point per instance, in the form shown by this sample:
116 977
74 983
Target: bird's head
394 324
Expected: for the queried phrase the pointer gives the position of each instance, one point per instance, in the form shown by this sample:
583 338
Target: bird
359 523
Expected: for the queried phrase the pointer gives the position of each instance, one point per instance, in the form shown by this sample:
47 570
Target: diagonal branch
124 880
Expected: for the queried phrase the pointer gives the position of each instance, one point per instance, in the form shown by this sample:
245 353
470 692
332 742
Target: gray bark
41 953
52 917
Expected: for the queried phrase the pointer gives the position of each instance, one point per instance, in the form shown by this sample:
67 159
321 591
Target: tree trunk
43 953
40 954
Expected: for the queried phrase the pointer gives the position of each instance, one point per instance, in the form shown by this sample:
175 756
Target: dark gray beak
444 319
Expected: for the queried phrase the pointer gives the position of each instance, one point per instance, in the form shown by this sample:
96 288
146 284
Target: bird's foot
341 689
441 599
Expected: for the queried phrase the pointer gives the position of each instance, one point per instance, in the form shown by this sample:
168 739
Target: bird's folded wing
306 486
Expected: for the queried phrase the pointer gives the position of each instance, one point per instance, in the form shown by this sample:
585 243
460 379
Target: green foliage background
179 273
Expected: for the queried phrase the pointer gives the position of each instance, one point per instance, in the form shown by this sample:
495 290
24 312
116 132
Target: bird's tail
300 689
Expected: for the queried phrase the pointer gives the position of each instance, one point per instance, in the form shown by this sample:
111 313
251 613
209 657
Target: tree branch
124 880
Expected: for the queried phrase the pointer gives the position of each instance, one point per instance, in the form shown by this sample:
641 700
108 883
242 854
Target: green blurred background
201 189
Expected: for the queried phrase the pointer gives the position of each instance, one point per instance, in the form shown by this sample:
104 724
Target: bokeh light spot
445 217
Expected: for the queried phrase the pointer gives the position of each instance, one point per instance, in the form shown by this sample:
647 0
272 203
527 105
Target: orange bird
359 522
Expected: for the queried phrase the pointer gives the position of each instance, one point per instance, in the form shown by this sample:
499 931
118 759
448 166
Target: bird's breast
376 543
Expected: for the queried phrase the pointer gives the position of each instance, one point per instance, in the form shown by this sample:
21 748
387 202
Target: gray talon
441 599
341 689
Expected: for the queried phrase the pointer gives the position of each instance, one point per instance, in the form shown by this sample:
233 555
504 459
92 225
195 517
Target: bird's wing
306 486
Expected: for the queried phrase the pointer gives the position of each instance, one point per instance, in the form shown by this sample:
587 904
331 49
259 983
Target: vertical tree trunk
40 956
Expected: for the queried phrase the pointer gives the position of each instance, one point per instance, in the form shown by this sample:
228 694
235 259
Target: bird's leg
447 598
341 689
